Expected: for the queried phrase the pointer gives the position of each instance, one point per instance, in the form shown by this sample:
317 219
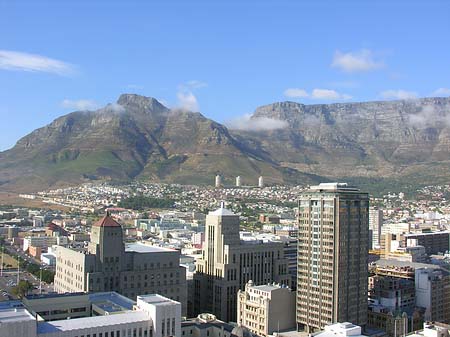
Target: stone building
227 264
110 265
265 309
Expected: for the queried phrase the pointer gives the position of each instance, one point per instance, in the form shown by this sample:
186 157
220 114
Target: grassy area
9 261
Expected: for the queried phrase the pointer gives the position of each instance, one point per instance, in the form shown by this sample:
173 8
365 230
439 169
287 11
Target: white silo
238 181
218 180
261 182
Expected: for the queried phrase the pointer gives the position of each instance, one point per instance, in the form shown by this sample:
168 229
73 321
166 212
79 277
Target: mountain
135 138
373 144
386 142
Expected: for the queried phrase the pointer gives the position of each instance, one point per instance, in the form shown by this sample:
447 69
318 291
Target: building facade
95 315
375 224
332 256
109 265
227 264
265 309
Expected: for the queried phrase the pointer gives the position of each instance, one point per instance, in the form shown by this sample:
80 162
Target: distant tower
218 181
238 181
261 182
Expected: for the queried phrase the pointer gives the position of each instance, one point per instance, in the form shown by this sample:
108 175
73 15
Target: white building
433 329
340 330
375 224
39 241
100 314
265 309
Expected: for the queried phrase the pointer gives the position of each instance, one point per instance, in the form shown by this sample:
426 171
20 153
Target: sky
222 58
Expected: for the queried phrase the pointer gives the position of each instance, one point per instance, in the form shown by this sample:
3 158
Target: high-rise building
375 224
238 181
109 265
332 256
227 264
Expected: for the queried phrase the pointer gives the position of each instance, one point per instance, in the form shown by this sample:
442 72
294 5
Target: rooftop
143 248
92 322
107 221
11 314
333 187
156 299
401 264
222 211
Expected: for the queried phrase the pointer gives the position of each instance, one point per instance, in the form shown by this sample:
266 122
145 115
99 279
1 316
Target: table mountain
405 141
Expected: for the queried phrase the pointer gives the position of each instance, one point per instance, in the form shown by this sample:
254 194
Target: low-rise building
265 309
101 314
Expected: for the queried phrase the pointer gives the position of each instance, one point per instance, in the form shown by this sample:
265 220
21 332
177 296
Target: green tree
22 288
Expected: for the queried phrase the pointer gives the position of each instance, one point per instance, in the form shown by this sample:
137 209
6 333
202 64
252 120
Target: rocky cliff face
139 138
135 138
360 139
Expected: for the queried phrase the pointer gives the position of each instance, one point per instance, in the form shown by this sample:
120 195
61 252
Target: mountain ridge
139 138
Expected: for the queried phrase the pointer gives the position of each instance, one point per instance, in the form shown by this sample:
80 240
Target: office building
332 256
91 315
265 309
375 224
434 242
433 293
227 264
109 265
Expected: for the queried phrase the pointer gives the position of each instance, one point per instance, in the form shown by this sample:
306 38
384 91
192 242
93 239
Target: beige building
375 224
227 264
332 256
266 309
109 265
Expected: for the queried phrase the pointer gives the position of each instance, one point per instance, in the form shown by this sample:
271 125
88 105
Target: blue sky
223 58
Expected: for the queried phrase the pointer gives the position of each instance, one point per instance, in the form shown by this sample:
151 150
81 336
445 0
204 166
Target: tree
22 288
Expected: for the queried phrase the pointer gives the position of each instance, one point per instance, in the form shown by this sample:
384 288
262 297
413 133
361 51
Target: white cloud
81 104
328 94
441 92
359 61
247 123
13 60
323 94
187 101
135 86
195 84
295 93
115 107
398 94
185 95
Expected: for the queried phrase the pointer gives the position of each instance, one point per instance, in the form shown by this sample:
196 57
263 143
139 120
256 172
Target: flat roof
92 322
427 233
11 314
111 301
333 187
268 287
157 299
398 263
142 248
